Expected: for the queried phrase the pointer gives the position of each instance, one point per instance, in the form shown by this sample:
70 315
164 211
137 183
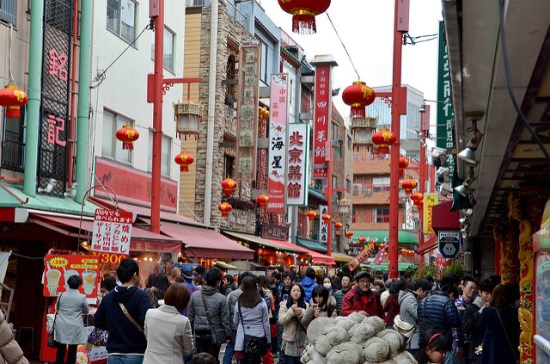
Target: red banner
58 268
323 93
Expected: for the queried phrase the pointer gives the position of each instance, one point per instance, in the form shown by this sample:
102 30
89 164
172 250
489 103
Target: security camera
51 184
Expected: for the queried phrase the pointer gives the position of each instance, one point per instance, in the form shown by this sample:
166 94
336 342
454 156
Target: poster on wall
298 156
59 267
112 231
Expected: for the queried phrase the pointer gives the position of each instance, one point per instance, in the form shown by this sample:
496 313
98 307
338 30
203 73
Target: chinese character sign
112 231
277 142
247 112
323 96
58 268
298 155
430 200
323 226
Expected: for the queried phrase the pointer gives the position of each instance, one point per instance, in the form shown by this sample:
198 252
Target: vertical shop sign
409 216
430 200
445 113
247 112
321 140
112 231
277 142
298 155
323 226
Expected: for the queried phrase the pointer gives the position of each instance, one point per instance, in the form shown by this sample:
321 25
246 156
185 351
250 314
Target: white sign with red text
112 231
298 155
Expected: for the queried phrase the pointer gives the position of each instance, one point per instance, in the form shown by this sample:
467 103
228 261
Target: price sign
112 231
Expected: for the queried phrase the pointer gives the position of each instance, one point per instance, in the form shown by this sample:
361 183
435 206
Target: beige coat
169 336
290 321
10 352
309 315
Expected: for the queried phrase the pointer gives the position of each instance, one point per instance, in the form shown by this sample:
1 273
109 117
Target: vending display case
541 253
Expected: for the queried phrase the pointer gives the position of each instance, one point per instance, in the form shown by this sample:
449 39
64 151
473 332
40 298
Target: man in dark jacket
126 342
362 299
438 312
210 333
339 294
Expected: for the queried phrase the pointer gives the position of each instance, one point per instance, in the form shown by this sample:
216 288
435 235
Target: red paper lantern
326 218
228 186
361 239
403 163
358 96
289 260
303 13
338 225
349 234
12 98
383 138
127 135
408 185
311 214
416 197
184 159
262 200
225 208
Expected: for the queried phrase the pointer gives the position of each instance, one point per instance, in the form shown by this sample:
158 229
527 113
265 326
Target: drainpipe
33 108
73 94
83 99
211 112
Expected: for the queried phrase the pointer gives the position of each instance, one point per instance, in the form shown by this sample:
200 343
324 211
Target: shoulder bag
255 346
127 314
51 334
213 335
506 334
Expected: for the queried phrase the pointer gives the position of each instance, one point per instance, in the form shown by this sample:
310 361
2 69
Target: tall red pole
393 269
157 119
329 194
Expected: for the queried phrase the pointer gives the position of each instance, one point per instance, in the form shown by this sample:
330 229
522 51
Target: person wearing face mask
327 283
321 305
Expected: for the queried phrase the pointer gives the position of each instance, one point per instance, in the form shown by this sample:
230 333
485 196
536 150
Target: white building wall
124 89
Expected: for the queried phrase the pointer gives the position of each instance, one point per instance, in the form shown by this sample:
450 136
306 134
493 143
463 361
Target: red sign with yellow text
58 268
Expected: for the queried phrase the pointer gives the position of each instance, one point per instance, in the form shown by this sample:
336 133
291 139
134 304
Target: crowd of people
264 319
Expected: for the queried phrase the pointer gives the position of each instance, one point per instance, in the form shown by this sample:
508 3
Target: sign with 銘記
298 155
277 143
449 243
112 231
321 122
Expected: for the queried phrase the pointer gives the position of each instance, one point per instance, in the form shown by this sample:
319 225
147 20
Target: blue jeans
229 351
292 359
125 359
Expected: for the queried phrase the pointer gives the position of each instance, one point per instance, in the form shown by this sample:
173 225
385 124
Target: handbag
51 334
404 328
253 345
98 337
507 337
214 337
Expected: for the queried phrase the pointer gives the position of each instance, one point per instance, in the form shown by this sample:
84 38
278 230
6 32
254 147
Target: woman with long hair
291 313
321 305
433 348
252 319
498 325
168 332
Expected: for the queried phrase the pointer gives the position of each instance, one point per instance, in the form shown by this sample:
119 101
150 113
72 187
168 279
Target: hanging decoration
403 163
263 113
127 135
326 218
12 98
225 208
303 13
188 117
262 200
358 96
184 160
338 226
311 214
228 186
383 138
349 234
408 185
361 240
416 197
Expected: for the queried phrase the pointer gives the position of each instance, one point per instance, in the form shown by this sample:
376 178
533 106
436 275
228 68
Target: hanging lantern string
12 80
343 46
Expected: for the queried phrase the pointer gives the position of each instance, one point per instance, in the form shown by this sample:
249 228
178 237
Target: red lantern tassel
127 146
184 169
304 24
13 112
357 111
383 149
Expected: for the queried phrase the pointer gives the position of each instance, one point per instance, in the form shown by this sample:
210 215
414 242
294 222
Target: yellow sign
430 200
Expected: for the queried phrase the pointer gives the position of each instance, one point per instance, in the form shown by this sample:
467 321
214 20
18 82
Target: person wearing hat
362 299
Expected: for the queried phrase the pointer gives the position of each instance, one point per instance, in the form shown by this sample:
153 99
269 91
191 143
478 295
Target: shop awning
317 258
274 244
141 241
311 244
317 194
428 245
445 219
203 242
225 265
404 237
341 258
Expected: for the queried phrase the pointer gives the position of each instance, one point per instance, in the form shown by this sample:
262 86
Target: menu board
58 268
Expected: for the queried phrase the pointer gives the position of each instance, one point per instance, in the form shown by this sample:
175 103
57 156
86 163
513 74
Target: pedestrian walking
308 283
157 284
282 296
252 320
433 349
122 312
290 316
69 326
327 283
409 299
391 305
362 299
168 332
339 294
209 315
321 305
228 285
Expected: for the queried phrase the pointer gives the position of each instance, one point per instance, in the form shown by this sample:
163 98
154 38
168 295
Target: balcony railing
12 155
231 10
365 190
370 218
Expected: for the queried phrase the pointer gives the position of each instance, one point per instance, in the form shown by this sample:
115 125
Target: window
112 147
334 181
381 215
8 11
263 62
229 161
334 132
381 184
168 61
13 142
121 18
348 140
166 155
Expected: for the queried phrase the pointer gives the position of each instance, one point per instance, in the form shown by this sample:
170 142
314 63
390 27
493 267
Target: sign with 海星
298 155
277 143
449 243
321 135
112 231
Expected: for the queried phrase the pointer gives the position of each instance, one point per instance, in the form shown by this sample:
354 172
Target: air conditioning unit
368 191
357 189
468 265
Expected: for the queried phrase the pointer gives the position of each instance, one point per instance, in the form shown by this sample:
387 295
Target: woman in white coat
69 325
168 332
